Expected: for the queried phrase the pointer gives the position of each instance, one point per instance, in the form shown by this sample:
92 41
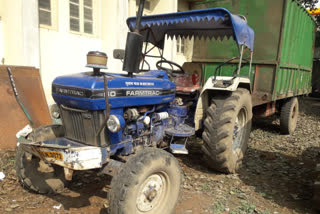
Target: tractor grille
82 125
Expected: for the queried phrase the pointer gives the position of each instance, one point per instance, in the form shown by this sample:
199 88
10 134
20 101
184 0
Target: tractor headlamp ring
113 124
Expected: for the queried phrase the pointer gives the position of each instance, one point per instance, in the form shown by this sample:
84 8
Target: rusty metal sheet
29 87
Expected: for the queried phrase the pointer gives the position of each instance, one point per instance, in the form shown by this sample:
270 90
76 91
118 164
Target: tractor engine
140 109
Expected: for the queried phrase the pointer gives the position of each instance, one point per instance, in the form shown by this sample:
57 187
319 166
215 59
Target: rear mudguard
215 85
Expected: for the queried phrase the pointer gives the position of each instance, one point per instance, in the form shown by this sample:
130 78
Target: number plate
54 155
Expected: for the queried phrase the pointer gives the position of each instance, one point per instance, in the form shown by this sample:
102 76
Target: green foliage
218 207
309 3
244 208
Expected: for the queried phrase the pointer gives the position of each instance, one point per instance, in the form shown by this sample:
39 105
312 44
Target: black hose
13 85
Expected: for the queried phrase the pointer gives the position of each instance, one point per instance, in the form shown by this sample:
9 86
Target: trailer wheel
316 195
226 130
37 176
289 116
149 182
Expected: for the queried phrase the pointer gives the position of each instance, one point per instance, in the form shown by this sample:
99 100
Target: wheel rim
239 130
294 112
151 192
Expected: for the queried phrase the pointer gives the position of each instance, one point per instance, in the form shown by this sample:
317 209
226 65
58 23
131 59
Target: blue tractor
127 124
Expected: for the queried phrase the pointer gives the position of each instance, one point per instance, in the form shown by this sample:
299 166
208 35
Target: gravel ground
276 177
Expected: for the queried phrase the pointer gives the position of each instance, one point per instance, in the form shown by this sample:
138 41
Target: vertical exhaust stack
140 14
133 52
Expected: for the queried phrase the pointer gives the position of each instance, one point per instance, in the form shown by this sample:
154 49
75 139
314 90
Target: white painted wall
57 51
63 52
180 58
20 32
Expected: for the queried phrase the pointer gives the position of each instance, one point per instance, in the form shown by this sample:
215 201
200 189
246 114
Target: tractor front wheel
149 182
226 130
37 176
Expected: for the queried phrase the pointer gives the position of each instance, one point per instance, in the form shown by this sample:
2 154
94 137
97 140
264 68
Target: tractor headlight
113 124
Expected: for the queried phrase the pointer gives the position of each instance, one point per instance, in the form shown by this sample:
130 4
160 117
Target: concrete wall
20 32
56 50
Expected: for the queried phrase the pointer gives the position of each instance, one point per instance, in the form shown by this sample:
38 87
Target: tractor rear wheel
149 182
37 176
289 116
226 130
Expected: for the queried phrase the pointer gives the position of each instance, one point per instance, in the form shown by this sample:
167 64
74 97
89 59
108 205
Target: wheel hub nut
151 194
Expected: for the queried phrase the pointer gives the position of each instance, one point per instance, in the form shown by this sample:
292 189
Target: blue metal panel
85 91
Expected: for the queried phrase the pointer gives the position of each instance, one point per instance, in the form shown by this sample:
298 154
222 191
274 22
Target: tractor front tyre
149 182
37 176
226 130
289 116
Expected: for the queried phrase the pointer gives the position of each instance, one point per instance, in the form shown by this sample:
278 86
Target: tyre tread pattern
285 115
27 182
217 129
125 178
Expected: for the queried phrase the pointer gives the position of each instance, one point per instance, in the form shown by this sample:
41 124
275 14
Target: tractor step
178 149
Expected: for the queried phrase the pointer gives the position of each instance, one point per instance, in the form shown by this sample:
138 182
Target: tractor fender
210 87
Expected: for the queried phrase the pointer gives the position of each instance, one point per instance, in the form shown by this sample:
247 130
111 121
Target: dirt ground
276 177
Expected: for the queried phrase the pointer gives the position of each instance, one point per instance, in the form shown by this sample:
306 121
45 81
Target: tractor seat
190 81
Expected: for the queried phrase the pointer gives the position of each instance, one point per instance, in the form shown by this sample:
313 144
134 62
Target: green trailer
273 74
283 48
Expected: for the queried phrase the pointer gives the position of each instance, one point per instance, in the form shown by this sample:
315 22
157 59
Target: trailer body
283 48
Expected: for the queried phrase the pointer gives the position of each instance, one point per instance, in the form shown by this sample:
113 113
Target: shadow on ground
286 180
80 193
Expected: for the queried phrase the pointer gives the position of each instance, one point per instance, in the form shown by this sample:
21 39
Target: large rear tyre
226 130
37 176
148 183
289 116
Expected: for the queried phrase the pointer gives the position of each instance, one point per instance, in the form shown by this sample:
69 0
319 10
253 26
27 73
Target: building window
88 16
181 45
81 16
45 12
48 16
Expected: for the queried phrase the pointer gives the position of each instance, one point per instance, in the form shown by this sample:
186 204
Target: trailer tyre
226 130
289 116
149 182
37 176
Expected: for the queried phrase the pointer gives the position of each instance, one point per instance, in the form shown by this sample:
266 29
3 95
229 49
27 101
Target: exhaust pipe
133 51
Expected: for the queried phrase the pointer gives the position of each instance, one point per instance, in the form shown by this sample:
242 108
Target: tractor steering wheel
171 71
